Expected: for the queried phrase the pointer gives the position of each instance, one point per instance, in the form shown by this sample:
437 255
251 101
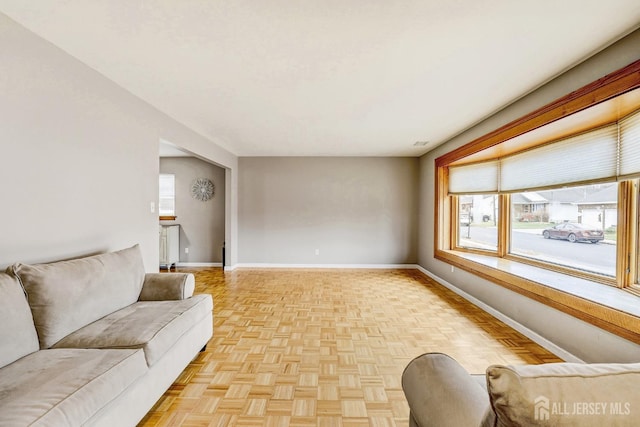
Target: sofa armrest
441 393
167 286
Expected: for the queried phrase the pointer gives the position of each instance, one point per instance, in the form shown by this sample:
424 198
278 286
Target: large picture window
556 190
573 227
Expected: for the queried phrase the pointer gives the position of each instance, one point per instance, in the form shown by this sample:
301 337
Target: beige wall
79 157
353 210
589 343
201 223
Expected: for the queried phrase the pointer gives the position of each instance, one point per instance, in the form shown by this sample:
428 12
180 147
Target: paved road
599 257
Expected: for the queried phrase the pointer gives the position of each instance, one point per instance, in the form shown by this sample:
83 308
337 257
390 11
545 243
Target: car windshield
586 226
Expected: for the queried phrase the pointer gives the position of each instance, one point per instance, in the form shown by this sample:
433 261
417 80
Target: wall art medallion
202 189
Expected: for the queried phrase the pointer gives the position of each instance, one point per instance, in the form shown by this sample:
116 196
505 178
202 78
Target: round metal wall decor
202 189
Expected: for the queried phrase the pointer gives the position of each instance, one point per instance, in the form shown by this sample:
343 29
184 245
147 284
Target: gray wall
201 223
587 342
79 157
353 210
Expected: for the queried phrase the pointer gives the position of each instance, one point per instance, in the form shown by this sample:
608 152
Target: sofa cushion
67 295
167 286
565 394
65 387
18 335
440 392
151 325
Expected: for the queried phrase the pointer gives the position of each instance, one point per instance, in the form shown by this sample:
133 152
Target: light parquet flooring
326 347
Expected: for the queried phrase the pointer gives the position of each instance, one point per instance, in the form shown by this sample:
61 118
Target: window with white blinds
587 157
567 170
606 153
475 178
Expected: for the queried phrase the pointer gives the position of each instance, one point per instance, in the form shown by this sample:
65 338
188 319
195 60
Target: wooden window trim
618 322
626 256
168 217
608 87
609 318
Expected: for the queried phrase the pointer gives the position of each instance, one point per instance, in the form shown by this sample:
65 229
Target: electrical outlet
453 269
186 250
152 207
317 251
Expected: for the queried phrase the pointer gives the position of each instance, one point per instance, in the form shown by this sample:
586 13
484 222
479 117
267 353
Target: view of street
597 258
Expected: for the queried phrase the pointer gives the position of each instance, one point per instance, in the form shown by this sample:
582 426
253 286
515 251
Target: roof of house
586 195
606 195
527 197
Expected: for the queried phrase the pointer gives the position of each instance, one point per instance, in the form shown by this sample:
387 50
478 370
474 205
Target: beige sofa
441 393
94 341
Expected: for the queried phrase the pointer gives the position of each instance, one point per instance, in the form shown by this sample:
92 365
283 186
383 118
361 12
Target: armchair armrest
167 286
441 393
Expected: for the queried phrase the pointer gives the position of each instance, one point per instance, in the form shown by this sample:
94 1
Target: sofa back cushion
65 296
565 394
18 335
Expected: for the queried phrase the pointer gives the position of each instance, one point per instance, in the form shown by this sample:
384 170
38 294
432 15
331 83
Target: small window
477 221
167 199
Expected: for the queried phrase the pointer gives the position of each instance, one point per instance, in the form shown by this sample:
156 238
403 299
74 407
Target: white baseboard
199 264
533 336
323 266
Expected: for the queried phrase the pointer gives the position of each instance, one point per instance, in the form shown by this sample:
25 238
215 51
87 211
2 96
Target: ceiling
331 77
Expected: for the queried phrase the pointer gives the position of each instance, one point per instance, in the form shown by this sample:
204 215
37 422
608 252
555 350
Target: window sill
607 307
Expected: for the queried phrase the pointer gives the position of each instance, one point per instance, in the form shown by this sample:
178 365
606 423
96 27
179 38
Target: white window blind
474 178
630 145
585 157
167 200
609 152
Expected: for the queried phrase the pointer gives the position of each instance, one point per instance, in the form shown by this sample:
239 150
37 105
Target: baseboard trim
533 336
199 264
325 266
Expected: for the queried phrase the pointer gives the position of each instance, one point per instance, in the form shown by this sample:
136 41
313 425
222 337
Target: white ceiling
331 77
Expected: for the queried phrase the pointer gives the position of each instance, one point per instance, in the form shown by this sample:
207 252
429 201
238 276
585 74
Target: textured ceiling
332 77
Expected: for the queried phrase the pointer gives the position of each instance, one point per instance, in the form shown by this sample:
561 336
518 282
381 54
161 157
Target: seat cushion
18 335
565 394
67 295
151 325
65 387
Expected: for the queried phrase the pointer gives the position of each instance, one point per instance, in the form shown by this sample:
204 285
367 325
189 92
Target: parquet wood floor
326 347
